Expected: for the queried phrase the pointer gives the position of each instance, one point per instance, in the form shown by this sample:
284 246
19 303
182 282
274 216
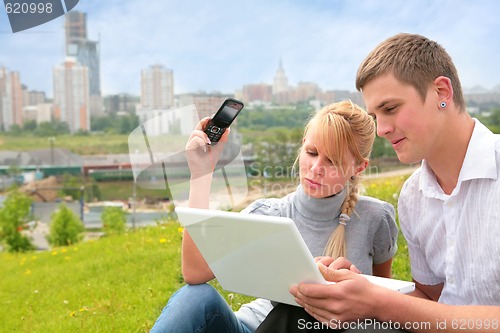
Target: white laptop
258 255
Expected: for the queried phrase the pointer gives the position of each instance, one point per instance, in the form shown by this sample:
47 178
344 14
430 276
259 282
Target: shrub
14 215
113 220
65 227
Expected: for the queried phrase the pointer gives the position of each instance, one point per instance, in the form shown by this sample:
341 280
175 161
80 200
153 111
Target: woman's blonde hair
339 126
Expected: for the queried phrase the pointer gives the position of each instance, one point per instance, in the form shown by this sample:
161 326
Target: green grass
388 189
83 145
94 143
116 284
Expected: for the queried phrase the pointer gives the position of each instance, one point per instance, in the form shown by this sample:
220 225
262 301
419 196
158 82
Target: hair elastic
343 218
442 105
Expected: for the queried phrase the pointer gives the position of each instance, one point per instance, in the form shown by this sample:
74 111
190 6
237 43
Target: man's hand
350 298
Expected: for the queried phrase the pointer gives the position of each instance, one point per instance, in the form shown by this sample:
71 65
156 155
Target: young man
448 209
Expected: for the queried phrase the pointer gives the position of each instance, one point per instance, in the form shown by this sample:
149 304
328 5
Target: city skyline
219 47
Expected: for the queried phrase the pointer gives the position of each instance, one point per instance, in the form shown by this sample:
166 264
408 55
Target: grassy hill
114 284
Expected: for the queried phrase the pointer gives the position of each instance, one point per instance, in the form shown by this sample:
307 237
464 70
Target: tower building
86 52
71 95
280 81
11 99
157 88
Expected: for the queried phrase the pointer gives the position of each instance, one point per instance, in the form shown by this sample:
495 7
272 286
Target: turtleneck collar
323 209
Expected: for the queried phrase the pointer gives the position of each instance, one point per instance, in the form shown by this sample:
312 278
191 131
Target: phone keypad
214 133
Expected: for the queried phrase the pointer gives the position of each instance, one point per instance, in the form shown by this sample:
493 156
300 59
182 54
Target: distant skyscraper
71 95
86 52
280 81
11 99
157 88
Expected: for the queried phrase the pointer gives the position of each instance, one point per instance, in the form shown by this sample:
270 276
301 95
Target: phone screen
227 114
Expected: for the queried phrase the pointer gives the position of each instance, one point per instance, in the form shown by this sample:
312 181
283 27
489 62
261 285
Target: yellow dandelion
180 229
27 272
34 258
67 258
54 253
72 314
163 240
64 251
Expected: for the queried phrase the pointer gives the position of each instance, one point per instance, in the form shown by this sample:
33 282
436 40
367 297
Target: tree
65 227
29 126
113 220
53 128
72 186
382 148
276 151
495 117
113 123
13 217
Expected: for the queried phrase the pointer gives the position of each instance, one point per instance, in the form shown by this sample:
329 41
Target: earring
352 177
442 105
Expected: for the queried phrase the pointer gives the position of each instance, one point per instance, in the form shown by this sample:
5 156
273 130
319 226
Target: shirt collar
480 159
479 162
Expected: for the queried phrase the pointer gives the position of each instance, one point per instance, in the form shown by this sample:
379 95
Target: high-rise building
11 99
71 95
35 106
157 88
33 97
86 52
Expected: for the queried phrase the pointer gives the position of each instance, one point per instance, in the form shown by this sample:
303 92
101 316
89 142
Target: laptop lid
257 255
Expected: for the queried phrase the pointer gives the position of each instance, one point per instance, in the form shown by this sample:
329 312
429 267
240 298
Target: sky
222 45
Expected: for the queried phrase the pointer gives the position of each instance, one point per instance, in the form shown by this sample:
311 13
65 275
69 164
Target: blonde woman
334 220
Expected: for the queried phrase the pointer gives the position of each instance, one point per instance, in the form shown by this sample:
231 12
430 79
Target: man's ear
444 89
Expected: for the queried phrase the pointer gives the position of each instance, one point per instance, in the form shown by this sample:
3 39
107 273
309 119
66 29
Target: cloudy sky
221 45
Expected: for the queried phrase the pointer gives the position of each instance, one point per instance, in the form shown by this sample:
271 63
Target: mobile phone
222 119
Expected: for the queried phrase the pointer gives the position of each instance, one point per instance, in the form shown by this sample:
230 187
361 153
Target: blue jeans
195 309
